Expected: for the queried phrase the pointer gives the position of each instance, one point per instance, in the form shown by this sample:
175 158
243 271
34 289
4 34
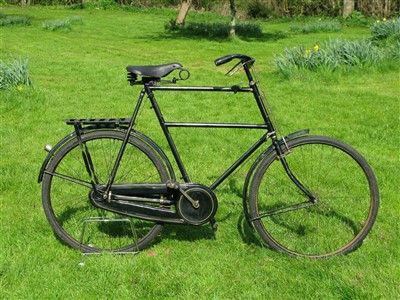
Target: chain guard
207 201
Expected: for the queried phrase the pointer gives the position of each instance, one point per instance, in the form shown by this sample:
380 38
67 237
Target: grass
81 74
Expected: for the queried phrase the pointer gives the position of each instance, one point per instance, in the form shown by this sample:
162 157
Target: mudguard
254 166
134 133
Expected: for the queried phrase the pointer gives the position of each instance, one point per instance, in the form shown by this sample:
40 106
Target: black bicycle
305 195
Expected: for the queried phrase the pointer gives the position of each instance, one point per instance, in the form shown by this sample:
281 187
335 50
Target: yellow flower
20 88
308 51
377 21
316 48
384 19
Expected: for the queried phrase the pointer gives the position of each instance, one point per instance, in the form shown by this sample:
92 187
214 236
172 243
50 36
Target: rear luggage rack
106 121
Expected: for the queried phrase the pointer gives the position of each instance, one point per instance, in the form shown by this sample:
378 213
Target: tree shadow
263 37
220 31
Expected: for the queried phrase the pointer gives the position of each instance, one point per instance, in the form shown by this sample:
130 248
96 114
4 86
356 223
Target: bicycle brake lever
235 68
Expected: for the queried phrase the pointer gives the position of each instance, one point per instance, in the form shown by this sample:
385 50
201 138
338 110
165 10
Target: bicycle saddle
154 71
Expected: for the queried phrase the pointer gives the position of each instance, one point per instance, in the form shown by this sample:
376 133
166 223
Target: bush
258 10
10 20
65 25
317 26
356 18
331 55
14 73
385 29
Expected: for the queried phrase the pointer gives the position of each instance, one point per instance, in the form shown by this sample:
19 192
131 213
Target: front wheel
66 192
336 221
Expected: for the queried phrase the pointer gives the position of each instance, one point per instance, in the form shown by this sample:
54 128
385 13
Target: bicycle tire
347 199
66 203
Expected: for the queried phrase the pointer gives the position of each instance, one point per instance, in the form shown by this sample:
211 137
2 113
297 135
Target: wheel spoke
67 191
346 205
282 210
71 179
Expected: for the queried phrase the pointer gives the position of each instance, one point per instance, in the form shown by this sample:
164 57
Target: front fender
254 166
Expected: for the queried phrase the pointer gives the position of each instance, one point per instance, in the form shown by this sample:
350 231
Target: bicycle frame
151 87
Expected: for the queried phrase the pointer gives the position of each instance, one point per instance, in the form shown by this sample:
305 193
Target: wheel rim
344 212
69 208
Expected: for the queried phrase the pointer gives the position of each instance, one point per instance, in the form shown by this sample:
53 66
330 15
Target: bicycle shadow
247 233
188 232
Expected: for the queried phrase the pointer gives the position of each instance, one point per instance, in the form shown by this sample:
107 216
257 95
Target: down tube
236 164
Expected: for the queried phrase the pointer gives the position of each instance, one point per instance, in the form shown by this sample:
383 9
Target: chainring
207 201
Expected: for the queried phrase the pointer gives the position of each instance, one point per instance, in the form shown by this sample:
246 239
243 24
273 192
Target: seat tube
166 132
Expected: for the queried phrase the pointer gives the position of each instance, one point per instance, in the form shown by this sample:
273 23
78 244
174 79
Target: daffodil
316 48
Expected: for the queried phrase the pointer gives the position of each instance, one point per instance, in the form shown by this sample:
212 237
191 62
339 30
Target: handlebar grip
227 58
223 60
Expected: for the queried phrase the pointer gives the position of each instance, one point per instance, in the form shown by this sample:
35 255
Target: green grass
80 74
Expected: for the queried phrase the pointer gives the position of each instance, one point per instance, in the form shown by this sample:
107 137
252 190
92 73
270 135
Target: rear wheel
66 190
346 205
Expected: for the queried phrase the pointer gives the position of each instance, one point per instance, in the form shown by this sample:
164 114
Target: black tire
66 202
347 199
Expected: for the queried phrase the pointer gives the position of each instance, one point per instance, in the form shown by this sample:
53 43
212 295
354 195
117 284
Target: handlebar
227 58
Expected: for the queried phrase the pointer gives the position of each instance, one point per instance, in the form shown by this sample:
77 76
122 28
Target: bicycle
304 195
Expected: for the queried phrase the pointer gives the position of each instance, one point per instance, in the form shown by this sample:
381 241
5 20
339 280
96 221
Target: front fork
282 150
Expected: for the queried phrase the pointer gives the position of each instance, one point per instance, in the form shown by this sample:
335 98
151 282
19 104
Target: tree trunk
348 7
180 20
232 24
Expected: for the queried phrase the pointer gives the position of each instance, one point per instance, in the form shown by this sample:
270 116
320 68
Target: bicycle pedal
214 225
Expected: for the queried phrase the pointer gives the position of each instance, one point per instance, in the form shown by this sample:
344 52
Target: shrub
65 24
385 29
14 73
256 9
57 25
356 18
330 55
10 20
317 26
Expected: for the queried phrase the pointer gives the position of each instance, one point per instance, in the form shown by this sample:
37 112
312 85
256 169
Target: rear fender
134 133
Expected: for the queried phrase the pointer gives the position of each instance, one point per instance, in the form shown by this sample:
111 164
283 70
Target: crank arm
176 186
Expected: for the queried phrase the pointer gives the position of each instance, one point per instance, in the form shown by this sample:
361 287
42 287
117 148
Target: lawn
80 73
